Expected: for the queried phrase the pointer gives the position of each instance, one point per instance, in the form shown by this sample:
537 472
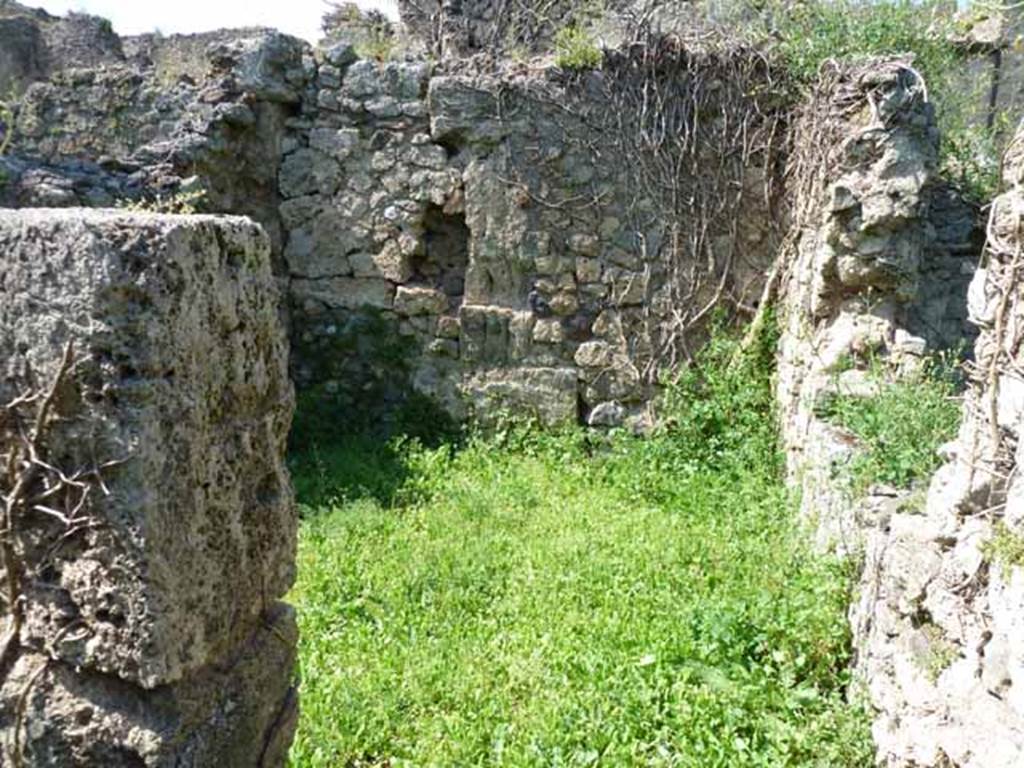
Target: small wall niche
445 257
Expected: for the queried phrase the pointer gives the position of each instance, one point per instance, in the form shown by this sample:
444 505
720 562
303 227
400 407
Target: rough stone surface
475 232
197 118
167 598
241 711
871 274
470 27
35 45
937 617
411 188
547 394
509 241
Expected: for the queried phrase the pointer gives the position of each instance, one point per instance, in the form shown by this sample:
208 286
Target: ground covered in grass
532 599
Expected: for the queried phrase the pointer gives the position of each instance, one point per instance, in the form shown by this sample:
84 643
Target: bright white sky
131 17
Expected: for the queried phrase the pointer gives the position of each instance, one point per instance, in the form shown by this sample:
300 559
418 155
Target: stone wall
194 117
35 45
507 240
469 237
937 614
945 582
151 526
878 268
469 27
473 238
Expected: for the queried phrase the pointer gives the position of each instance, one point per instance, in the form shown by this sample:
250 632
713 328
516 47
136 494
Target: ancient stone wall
35 45
520 237
199 118
879 263
945 581
515 241
467 27
937 615
149 522
479 238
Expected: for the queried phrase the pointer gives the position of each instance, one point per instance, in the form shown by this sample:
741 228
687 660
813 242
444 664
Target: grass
535 599
900 429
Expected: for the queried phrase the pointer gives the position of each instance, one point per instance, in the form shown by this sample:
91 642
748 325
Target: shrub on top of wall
575 48
849 29
806 34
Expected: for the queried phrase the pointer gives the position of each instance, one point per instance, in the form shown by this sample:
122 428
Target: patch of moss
940 655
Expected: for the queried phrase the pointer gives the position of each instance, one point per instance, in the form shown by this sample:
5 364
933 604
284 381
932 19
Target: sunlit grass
530 599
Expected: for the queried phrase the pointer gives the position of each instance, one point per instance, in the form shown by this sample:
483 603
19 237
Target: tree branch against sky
132 17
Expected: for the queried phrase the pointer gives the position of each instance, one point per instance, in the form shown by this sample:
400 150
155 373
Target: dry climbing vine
37 495
819 140
1001 349
696 124
44 507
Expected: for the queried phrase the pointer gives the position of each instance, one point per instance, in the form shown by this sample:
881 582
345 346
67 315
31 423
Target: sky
131 17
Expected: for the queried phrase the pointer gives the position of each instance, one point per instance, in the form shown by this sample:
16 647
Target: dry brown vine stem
1006 292
690 115
24 467
31 484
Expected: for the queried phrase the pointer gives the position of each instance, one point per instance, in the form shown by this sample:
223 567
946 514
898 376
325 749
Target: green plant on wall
370 32
379 46
183 203
576 48
806 34
939 654
1005 548
901 428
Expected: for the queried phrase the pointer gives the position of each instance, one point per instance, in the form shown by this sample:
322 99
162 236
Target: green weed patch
571 599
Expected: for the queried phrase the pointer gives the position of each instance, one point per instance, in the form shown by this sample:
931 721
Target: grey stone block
181 376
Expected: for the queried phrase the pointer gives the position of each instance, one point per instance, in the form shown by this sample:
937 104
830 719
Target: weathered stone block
485 333
607 415
548 394
595 354
585 245
548 331
181 378
339 144
239 713
588 270
420 301
345 292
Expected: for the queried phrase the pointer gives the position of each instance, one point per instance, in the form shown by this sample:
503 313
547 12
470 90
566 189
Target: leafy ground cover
535 599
